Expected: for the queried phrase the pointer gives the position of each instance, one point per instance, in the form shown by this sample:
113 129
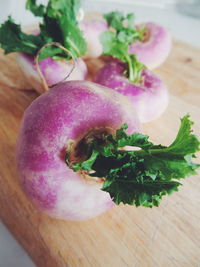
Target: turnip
154 47
56 122
92 30
59 25
150 42
75 123
128 75
53 71
149 96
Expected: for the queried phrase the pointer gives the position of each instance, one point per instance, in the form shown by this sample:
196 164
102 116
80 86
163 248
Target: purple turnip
150 42
58 121
53 71
128 75
155 45
149 95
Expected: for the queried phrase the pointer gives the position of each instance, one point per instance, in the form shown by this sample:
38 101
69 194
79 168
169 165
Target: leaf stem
131 75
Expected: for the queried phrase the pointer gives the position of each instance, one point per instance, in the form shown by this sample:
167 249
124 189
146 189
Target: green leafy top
124 26
117 39
140 177
58 24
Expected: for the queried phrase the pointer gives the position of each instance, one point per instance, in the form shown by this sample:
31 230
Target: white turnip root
154 47
56 122
150 96
54 71
92 30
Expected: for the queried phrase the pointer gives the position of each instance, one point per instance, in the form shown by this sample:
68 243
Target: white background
182 27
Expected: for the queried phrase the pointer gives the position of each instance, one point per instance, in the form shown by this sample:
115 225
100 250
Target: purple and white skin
57 122
92 30
150 97
155 47
54 71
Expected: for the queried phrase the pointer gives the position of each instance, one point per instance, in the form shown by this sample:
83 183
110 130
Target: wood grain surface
124 236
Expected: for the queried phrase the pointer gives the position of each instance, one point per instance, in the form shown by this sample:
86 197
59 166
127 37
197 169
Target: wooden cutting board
124 236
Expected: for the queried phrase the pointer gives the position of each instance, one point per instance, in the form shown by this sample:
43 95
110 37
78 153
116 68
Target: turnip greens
141 177
116 41
59 24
